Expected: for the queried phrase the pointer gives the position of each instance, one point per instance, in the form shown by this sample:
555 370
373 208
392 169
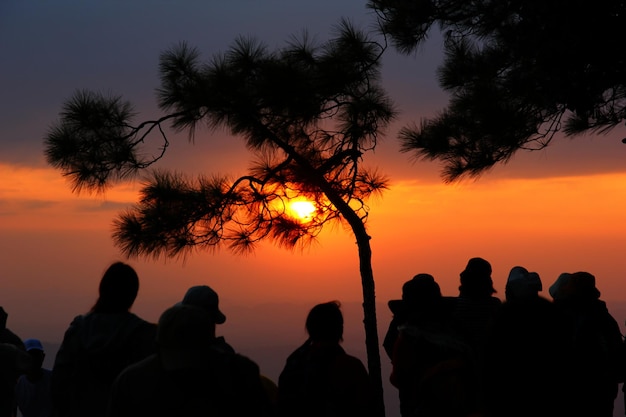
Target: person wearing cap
433 366
526 359
32 392
206 298
98 345
187 377
412 295
597 346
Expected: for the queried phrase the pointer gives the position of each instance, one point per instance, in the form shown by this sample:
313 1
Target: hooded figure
476 306
522 285
597 346
418 292
526 354
476 279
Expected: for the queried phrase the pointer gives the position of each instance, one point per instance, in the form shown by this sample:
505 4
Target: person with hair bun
98 345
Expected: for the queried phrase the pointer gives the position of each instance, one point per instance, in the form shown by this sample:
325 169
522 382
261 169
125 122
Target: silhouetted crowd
470 355
475 355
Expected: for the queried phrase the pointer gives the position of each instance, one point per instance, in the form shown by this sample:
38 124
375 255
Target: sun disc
302 209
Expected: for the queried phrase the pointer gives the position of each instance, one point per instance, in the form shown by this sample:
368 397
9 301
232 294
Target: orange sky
548 225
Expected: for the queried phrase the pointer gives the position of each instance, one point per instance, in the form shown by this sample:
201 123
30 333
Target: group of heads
200 306
178 325
522 284
476 282
422 292
120 284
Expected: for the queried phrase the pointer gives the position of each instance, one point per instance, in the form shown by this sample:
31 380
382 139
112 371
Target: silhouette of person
190 375
476 305
400 309
433 365
205 297
558 289
32 392
13 361
6 335
526 354
597 344
320 378
98 345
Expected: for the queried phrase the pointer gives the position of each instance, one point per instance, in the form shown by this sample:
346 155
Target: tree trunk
369 319
369 298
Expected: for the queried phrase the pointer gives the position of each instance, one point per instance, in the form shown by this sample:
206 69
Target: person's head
476 279
582 286
558 290
118 289
35 349
522 284
204 297
182 336
421 291
325 322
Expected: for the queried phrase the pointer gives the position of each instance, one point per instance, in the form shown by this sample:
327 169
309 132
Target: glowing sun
302 209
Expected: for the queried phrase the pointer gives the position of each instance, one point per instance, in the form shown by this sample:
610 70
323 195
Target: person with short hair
320 378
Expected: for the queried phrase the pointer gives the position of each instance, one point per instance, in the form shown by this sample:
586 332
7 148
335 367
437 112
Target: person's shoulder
147 367
495 301
15 358
79 319
300 354
353 361
346 360
140 324
135 318
7 336
220 345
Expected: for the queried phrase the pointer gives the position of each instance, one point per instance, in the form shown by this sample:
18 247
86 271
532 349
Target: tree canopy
308 112
517 71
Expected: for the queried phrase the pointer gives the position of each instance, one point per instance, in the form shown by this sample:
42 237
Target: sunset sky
560 209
